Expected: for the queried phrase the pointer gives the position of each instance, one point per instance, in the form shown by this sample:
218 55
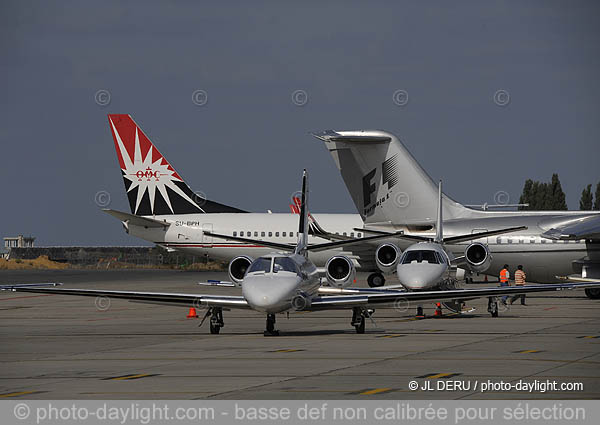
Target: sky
494 93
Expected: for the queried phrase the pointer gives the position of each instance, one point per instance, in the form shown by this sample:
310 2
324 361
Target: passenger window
359 235
234 233
241 233
262 234
270 234
283 234
352 234
509 240
255 234
276 234
498 241
345 234
543 240
532 240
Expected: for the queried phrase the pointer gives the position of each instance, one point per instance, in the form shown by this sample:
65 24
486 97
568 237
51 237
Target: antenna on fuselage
439 231
303 222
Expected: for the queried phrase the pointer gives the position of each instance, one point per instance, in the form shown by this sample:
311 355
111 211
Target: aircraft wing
185 300
391 297
587 228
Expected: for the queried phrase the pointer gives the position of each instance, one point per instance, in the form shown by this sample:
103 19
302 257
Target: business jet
428 265
286 279
393 192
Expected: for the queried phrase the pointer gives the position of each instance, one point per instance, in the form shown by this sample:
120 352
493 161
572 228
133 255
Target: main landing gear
271 331
593 293
359 316
493 306
375 280
420 313
216 320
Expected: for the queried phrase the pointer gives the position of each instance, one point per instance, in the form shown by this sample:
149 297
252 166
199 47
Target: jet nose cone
268 294
420 276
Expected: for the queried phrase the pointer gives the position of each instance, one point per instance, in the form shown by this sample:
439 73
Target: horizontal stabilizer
137 220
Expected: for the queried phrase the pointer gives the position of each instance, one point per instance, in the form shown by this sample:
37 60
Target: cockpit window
284 264
420 256
262 264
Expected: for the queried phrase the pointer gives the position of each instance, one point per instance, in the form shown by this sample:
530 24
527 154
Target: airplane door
482 240
207 240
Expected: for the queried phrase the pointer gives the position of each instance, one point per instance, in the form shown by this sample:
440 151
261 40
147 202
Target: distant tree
544 196
597 200
585 203
541 199
526 196
557 196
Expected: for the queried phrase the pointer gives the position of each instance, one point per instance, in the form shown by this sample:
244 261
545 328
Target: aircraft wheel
592 293
375 280
360 328
493 306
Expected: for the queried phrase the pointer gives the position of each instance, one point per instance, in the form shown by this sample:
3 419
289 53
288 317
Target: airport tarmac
64 347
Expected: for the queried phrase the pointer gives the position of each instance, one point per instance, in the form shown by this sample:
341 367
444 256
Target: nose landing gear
375 280
271 331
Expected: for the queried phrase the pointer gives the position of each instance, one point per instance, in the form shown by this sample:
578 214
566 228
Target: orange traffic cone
192 313
438 310
486 278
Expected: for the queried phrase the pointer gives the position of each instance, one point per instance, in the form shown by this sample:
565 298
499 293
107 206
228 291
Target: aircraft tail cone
192 313
438 310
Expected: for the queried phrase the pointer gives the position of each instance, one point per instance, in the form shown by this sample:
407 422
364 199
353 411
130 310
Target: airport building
18 242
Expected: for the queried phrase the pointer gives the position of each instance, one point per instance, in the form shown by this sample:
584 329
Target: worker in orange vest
504 277
519 281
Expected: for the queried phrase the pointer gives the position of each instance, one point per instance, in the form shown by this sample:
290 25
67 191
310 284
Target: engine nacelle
300 302
237 268
340 271
386 257
478 257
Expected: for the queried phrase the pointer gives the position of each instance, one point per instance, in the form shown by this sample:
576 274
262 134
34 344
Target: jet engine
478 257
340 271
237 268
386 257
300 301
